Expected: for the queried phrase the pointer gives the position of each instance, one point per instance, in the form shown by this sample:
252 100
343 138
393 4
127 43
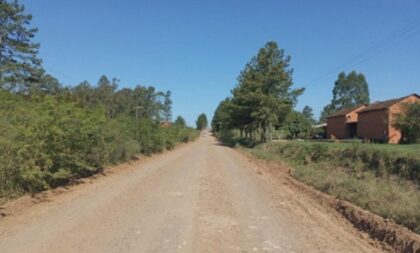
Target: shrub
409 123
45 143
383 182
381 162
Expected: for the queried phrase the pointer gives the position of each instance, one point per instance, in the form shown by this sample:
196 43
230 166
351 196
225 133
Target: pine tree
19 65
263 96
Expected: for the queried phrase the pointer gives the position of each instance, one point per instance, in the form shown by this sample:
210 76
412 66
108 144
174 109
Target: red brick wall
373 125
336 126
352 117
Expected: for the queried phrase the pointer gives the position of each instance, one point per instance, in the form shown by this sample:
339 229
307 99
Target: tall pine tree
19 65
263 97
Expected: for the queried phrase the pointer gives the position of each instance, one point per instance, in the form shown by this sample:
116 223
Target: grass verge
381 181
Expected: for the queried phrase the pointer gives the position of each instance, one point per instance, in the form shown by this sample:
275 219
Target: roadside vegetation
409 124
49 141
201 122
384 181
406 149
52 134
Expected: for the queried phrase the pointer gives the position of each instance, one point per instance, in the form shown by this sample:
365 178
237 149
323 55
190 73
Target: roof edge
346 111
396 100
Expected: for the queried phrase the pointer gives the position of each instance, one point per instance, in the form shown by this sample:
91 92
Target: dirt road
202 197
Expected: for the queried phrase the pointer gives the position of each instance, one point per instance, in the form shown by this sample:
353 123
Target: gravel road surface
201 197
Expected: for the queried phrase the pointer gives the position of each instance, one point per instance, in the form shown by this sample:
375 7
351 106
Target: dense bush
49 142
51 134
356 157
409 123
231 138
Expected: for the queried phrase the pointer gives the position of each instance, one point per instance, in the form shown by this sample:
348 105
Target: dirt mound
391 235
399 238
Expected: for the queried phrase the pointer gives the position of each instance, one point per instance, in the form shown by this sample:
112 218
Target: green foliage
409 123
180 122
349 91
356 156
139 102
389 197
51 135
49 141
262 98
227 137
19 65
223 116
201 122
384 182
308 114
297 125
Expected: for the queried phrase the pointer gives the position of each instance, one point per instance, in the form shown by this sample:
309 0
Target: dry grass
388 195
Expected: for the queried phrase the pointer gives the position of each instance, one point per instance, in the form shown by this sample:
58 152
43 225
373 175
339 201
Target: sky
197 49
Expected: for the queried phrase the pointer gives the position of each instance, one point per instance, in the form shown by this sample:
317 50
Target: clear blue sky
196 49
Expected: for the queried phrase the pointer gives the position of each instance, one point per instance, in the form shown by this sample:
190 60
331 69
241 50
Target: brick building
343 124
375 121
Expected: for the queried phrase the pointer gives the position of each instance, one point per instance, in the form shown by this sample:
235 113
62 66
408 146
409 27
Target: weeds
377 180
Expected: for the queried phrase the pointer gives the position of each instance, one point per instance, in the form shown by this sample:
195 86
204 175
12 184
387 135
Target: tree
180 122
328 109
349 91
47 85
19 65
263 97
124 103
147 102
222 119
409 123
201 121
83 94
104 94
307 112
297 125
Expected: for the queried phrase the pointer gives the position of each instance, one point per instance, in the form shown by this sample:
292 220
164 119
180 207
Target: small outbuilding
376 121
343 124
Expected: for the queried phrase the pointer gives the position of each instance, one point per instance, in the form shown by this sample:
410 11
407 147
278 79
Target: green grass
365 174
398 148
389 197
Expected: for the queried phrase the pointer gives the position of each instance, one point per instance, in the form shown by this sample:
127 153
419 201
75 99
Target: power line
386 48
375 49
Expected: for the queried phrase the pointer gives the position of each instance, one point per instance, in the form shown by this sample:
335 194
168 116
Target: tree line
52 134
263 99
262 104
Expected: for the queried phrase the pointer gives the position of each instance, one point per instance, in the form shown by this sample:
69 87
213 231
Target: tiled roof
344 112
380 105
